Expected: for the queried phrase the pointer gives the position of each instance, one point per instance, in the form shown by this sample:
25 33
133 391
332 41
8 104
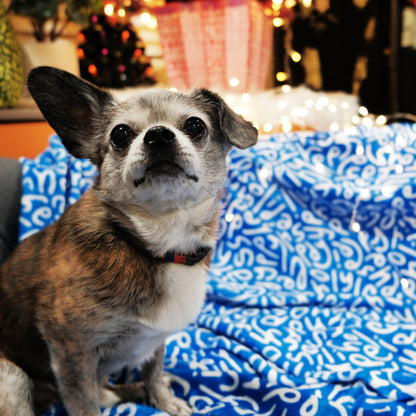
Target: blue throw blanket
311 306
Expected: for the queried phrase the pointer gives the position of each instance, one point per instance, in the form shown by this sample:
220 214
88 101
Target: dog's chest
184 294
184 290
132 348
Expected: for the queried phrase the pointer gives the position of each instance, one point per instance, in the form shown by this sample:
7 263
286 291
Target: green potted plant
56 12
49 19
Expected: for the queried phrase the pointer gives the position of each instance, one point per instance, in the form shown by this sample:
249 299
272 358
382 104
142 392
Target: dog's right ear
237 131
74 108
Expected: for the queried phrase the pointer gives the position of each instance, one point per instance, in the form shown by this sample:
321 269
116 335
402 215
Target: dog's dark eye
194 127
121 136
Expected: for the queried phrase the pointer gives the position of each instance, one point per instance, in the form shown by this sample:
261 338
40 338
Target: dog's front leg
157 385
76 374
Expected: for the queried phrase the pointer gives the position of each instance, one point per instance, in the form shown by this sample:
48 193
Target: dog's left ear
238 132
76 109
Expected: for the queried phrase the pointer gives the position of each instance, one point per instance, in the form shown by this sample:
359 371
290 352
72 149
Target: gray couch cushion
10 195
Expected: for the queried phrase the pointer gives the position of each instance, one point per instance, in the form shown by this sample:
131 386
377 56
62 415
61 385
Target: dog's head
157 149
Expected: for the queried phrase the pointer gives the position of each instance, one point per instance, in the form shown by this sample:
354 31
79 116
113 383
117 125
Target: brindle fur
76 298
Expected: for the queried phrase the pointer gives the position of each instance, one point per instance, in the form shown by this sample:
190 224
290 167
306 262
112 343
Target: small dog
126 265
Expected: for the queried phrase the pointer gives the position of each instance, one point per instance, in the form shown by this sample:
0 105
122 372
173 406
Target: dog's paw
111 395
161 397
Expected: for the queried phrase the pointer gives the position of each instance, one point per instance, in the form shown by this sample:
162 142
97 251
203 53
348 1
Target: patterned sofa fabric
311 304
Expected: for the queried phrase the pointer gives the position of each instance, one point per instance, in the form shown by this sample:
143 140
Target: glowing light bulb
294 112
92 69
145 18
80 53
295 56
246 97
109 9
81 37
286 88
363 111
229 99
281 105
234 82
355 226
381 120
121 13
367 122
244 111
153 23
125 34
334 126
281 76
309 103
268 127
287 127
278 22
323 101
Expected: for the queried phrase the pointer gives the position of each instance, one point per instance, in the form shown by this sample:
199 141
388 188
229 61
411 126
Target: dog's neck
178 231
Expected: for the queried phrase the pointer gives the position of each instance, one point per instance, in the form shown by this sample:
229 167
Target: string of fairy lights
286 109
283 109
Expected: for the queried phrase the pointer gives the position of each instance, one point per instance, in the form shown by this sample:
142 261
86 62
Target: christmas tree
112 55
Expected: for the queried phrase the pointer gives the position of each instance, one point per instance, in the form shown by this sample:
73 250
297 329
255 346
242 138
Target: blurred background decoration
45 38
112 54
218 44
365 48
49 18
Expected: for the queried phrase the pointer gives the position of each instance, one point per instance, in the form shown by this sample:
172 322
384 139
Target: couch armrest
10 195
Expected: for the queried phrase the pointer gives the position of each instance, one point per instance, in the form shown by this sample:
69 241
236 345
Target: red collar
186 259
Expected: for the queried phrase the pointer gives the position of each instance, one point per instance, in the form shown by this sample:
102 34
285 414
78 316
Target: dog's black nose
159 136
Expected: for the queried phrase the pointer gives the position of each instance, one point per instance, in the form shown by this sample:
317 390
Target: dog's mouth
163 168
